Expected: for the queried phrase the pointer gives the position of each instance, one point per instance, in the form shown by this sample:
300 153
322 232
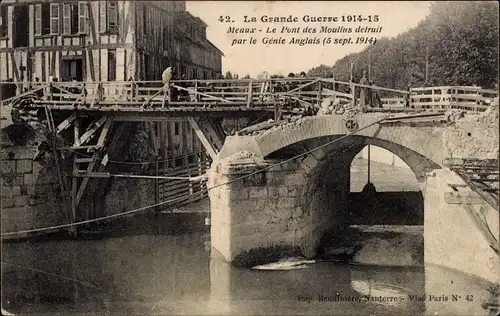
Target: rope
202 191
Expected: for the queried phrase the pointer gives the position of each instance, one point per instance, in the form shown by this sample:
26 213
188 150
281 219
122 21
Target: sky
394 18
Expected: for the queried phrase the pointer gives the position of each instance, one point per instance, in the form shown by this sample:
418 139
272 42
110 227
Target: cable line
197 193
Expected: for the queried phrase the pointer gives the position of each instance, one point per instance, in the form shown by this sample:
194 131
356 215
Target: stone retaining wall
30 192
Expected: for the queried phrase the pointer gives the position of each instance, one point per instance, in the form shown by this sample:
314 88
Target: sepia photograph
249 158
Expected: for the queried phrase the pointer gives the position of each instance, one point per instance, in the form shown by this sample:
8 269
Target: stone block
310 161
274 168
276 179
238 194
16 190
268 204
17 153
285 202
8 166
7 202
247 229
37 168
29 179
7 192
258 192
276 191
24 190
296 212
243 206
24 166
294 179
33 200
257 229
21 200
258 179
293 191
290 166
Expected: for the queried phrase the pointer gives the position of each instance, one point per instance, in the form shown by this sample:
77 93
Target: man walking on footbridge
166 77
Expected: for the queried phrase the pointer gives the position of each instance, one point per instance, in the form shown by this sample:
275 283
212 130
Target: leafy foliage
460 39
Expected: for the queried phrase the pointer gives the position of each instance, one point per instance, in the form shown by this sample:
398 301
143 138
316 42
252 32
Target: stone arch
323 147
424 141
323 176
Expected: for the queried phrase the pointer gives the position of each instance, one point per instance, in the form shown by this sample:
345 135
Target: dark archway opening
383 190
382 219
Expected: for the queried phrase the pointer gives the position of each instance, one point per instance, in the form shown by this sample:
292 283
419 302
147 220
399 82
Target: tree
462 43
229 75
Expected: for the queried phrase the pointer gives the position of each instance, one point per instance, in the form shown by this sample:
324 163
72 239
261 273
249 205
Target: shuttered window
54 18
38 19
108 16
112 16
3 21
71 18
82 17
111 65
66 19
43 19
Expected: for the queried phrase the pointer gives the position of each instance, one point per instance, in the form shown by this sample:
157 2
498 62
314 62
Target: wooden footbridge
98 112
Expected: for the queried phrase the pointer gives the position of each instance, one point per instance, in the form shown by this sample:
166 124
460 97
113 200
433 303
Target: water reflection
176 275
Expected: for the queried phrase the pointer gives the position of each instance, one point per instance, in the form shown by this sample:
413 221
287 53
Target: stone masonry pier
285 209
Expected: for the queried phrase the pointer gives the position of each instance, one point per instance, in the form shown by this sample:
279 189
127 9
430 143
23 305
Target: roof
185 15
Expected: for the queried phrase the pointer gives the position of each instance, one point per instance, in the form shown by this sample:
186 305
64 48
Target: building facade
102 41
107 41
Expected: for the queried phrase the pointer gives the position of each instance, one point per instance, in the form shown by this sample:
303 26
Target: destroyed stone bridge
264 201
275 185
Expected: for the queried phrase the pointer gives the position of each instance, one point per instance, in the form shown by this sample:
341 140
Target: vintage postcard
249 157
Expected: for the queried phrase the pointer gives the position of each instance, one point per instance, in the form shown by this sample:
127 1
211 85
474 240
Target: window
20 29
178 162
75 17
67 19
3 21
43 19
72 69
54 18
82 17
144 20
111 65
108 16
176 128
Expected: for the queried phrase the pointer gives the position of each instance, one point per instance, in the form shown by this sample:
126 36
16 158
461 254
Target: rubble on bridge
474 135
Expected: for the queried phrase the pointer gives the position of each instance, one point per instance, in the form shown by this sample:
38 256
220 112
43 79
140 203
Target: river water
176 274
147 270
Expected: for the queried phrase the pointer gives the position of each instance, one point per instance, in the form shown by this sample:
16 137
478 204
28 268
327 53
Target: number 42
226 18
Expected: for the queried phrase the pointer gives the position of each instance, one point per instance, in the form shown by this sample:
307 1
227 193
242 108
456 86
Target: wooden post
76 131
320 87
353 91
250 94
74 188
426 65
196 90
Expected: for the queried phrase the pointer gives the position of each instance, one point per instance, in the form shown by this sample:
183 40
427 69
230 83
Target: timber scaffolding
482 177
100 114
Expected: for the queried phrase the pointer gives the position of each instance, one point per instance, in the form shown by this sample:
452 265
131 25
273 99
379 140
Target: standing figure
363 94
376 101
166 77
